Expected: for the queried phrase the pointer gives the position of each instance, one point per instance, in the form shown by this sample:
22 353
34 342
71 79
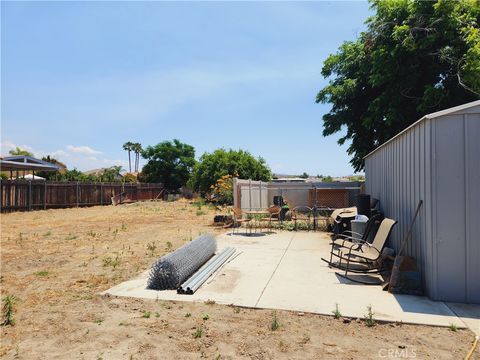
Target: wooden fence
25 195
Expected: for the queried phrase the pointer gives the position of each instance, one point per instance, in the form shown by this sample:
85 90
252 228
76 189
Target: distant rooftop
26 163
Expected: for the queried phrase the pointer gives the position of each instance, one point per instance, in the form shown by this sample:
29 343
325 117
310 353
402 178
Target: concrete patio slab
283 270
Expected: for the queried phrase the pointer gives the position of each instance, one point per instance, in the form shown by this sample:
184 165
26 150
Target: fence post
77 194
101 193
260 192
45 196
250 194
29 195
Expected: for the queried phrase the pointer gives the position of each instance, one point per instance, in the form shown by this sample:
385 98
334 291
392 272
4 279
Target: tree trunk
129 162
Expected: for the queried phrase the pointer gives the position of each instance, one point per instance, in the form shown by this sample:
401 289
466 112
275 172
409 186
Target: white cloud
83 150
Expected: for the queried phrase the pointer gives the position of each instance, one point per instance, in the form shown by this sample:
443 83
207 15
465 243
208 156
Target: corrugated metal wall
436 160
398 174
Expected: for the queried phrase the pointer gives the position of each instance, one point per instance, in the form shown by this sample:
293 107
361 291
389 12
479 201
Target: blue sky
80 79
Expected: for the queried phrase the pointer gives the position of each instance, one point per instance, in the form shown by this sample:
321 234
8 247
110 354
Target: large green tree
415 57
169 162
221 162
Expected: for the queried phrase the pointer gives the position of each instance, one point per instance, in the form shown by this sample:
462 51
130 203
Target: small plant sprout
452 327
336 313
198 333
48 233
188 315
236 310
113 262
205 317
98 320
169 246
157 314
151 247
42 273
124 227
7 310
274 324
146 314
369 319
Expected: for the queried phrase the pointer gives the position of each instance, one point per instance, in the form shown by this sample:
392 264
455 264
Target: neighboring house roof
449 111
22 162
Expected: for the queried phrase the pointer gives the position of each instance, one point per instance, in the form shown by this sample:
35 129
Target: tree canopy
416 57
212 166
169 162
20 151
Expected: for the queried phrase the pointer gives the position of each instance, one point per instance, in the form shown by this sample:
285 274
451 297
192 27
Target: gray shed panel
436 160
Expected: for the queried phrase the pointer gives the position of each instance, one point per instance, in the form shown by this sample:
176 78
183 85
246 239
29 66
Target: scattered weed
452 327
7 310
236 310
198 333
336 313
42 273
188 314
92 234
98 320
168 246
151 247
113 262
157 314
205 316
200 212
146 314
209 302
48 233
274 324
124 227
369 319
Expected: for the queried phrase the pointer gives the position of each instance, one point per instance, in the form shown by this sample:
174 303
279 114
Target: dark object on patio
278 200
363 257
342 223
368 235
223 219
405 277
171 270
363 205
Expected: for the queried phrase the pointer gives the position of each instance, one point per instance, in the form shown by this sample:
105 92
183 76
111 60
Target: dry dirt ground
55 263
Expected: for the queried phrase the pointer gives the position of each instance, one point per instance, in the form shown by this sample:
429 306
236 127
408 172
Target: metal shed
437 160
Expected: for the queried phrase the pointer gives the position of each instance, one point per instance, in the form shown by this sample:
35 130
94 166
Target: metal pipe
208 270
205 268
205 272
200 270
192 288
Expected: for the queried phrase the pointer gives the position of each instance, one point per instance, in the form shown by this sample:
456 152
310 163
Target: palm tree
137 148
128 146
